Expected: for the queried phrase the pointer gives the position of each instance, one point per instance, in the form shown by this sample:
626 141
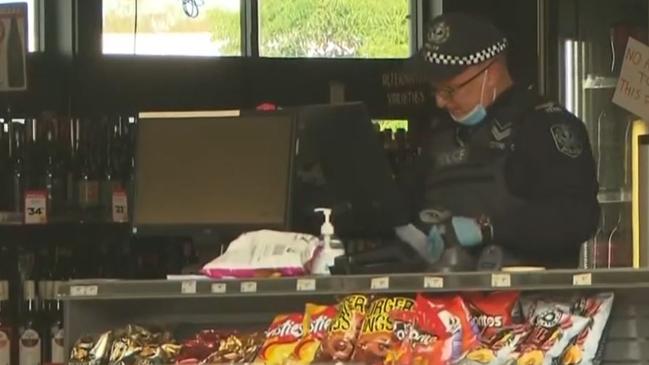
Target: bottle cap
44 289
4 290
29 290
56 287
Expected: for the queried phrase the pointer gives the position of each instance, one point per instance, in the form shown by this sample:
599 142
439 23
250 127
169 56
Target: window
172 27
31 21
334 28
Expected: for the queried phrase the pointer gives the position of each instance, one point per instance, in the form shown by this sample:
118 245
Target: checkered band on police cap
467 60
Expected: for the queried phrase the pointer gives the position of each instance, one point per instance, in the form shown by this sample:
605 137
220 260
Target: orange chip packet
317 320
282 336
339 343
376 337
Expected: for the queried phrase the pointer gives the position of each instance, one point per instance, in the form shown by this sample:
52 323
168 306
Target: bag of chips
491 312
552 328
317 320
422 336
498 346
235 348
455 315
584 349
282 336
376 339
339 343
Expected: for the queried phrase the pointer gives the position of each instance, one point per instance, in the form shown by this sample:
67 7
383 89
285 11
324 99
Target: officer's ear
500 70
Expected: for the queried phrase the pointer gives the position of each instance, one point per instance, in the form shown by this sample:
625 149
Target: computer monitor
341 164
200 174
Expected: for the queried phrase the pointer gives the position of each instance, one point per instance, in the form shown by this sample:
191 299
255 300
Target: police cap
455 41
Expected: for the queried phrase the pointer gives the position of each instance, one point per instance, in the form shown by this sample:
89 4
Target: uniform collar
511 96
505 110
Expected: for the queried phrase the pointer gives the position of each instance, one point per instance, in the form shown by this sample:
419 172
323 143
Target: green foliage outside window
287 28
334 28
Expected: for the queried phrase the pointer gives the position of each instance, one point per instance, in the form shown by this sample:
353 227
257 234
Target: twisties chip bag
317 320
282 336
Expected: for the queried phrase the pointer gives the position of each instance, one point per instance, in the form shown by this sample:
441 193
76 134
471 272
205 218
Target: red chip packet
456 317
491 312
421 335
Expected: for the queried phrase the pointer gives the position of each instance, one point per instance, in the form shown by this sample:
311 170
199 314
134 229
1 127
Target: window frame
39 26
249 13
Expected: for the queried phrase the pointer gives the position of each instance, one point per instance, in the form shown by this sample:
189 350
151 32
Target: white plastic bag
265 253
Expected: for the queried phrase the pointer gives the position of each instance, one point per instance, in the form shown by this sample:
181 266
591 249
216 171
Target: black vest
466 165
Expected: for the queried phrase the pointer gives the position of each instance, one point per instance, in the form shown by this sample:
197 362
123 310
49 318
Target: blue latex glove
419 241
467 231
435 241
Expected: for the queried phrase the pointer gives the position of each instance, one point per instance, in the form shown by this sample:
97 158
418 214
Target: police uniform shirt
548 204
528 166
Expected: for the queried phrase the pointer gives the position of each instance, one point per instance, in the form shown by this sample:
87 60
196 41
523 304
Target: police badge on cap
455 41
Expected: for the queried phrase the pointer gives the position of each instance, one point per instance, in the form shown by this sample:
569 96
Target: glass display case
591 38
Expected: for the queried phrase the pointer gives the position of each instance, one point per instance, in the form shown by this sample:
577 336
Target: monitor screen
209 172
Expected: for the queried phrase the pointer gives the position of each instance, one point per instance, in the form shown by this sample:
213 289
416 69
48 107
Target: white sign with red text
632 92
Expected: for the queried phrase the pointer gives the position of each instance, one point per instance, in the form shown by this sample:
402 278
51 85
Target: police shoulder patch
549 107
566 140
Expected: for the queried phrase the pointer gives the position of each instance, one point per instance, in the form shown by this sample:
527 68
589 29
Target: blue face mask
479 113
474 117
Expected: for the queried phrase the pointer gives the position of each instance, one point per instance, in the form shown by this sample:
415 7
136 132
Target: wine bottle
29 334
5 168
52 174
18 168
111 179
88 183
57 332
45 285
129 161
15 56
6 325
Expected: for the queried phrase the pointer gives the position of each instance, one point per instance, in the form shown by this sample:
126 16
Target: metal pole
416 25
541 43
437 8
250 28
643 200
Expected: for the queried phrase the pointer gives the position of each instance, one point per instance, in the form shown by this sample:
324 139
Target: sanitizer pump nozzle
327 229
331 247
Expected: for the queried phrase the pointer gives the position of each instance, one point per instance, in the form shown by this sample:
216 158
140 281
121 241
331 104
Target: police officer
503 166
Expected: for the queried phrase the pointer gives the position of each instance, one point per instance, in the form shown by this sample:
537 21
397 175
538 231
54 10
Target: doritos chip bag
375 339
491 312
317 320
455 315
426 340
338 344
282 336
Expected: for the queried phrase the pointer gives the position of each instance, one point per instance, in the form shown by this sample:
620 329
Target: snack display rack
96 306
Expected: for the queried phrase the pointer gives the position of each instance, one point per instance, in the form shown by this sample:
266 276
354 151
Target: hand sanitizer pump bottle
330 246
